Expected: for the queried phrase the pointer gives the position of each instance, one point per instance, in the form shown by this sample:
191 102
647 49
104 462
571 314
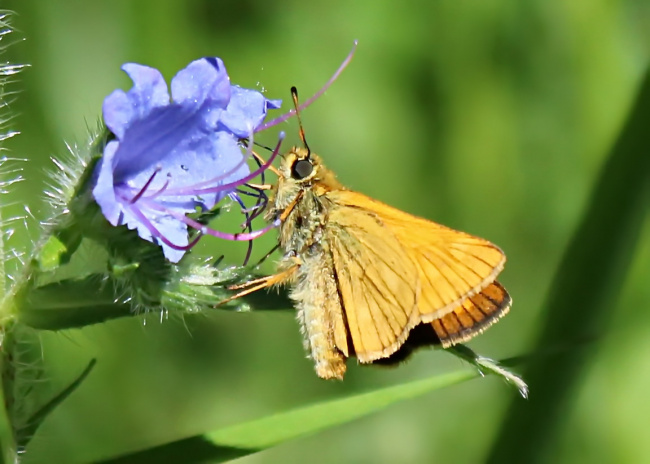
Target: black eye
301 169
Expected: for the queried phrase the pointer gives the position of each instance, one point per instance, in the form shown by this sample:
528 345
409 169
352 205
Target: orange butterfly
372 281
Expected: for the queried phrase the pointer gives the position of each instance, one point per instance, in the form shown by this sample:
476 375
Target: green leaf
584 291
27 431
251 437
73 303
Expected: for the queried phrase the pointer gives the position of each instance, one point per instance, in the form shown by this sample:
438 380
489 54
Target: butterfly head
300 165
302 169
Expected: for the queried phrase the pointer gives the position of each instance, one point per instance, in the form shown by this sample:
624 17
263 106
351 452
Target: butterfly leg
260 186
258 284
287 211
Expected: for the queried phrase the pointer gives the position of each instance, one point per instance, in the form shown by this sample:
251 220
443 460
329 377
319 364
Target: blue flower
172 157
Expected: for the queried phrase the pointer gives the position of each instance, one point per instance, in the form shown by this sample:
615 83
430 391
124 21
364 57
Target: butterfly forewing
450 272
376 284
396 270
451 265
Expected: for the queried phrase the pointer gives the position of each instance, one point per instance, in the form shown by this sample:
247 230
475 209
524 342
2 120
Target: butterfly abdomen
319 313
302 240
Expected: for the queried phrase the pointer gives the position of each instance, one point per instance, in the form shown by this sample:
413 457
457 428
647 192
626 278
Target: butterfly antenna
296 105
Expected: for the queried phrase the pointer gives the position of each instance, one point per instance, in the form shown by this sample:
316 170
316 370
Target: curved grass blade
251 437
584 291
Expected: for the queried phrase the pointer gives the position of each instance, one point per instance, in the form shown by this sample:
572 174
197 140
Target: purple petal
149 88
157 228
174 230
104 191
149 141
246 110
195 163
149 91
203 82
118 112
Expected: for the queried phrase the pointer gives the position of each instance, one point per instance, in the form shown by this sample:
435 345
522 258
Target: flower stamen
159 235
313 98
239 237
262 201
220 188
145 186
160 191
246 225
197 188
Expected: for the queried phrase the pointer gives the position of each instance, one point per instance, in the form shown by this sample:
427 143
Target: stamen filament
245 179
247 225
157 234
191 189
240 237
145 186
291 113
160 190
261 203
261 200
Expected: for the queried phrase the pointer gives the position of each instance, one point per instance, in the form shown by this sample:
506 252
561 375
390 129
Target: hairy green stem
8 448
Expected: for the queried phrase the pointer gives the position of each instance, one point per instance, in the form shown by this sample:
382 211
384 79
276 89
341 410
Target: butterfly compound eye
301 169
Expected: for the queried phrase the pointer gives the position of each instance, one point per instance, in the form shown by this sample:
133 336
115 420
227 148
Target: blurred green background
491 116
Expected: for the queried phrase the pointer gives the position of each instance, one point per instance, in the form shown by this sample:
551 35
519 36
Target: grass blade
25 433
251 437
584 291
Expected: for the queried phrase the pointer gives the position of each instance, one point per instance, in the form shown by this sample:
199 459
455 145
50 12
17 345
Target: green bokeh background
491 116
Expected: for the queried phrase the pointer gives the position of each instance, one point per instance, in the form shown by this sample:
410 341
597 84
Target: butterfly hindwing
473 316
